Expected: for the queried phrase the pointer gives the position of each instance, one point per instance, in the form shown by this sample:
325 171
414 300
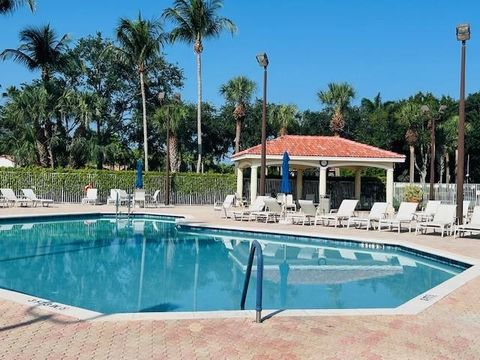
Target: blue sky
392 46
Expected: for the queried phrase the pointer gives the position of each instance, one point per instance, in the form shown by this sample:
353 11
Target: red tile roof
320 146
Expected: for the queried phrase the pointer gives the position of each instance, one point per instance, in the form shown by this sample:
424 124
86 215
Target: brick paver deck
447 330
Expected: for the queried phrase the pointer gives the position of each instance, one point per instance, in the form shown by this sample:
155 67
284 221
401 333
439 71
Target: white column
299 183
253 183
239 182
389 190
358 183
322 182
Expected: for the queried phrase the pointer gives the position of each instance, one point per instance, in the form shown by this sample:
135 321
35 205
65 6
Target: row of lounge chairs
121 197
29 198
435 216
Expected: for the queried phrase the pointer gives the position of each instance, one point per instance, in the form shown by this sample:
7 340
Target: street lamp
262 59
463 34
432 118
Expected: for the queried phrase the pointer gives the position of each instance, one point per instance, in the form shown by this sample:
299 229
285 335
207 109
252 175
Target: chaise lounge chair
344 212
249 213
405 215
92 197
443 219
473 227
429 212
11 198
226 206
273 211
377 213
307 213
29 194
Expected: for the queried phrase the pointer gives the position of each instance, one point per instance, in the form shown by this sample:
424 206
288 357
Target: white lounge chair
139 197
428 213
289 203
155 198
29 194
91 198
249 213
112 199
344 212
377 213
472 227
11 198
307 213
466 208
444 219
273 211
225 206
405 215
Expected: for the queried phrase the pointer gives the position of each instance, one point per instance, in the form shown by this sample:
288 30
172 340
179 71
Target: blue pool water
149 264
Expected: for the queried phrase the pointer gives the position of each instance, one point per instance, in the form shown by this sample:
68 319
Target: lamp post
432 119
262 59
463 34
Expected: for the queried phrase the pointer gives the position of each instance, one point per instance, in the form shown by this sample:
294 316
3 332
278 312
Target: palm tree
175 114
337 98
40 49
8 6
283 116
239 91
196 20
140 42
409 116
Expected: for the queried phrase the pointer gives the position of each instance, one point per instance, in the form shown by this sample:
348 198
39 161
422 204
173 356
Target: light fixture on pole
432 124
463 34
262 59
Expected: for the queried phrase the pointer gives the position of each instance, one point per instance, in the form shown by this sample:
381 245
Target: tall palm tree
175 113
8 6
239 91
196 20
140 42
283 116
409 116
40 50
337 98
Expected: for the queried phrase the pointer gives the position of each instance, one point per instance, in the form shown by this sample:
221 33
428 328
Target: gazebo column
299 184
389 190
253 183
322 182
239 182
358 183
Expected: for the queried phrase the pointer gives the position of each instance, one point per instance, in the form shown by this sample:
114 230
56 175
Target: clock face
323 163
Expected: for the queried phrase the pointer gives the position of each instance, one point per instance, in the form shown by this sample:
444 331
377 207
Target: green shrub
413 194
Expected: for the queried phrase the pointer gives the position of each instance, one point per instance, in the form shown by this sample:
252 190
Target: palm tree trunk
447 168
99 146
174 159
144 115
238 131
199 110
412 163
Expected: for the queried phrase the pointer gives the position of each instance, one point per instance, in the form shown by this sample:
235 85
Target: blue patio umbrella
139 180
285 184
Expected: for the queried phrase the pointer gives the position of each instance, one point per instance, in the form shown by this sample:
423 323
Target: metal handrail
256 247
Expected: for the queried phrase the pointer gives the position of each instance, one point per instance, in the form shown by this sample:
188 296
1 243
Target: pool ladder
255 249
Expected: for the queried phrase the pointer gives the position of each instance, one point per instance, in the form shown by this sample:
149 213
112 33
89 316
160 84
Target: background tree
140 42
337 98
409 117
238 91
194 21
283 117
8 6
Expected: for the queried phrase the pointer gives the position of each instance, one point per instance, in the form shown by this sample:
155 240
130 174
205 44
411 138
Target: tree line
102 102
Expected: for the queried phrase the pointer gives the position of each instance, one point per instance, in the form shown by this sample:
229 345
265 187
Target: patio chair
472 227
273 211
290 204
112 199
428 213
444 219
405 215
139 197
11 198
307 213
124 198
249 213
155 199
377 212
91 198
29 194
225 206
344 212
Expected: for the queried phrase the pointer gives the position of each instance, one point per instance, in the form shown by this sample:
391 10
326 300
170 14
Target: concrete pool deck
447 330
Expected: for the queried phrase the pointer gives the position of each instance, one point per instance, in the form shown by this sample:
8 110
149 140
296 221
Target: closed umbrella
139 181
285 184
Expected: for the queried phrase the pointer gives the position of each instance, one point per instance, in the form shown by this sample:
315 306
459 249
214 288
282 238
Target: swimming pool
150 264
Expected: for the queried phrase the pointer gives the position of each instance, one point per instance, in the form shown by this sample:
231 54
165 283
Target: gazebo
317 152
